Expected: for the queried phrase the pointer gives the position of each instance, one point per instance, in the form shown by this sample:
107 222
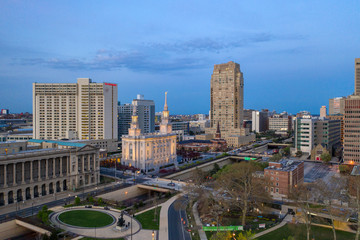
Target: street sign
223 228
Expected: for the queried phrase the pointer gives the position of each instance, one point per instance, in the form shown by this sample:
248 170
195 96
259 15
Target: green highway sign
223 228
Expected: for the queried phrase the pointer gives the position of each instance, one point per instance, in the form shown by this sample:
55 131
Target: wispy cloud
112 60
156 57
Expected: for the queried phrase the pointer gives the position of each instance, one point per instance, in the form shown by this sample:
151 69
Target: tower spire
165 106
218 134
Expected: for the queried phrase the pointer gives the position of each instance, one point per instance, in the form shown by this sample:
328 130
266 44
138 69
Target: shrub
77 201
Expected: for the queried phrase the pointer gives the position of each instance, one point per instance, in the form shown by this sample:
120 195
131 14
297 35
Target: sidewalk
163 231
198 222
286 220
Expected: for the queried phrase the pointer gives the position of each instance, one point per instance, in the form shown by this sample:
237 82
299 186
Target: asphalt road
27 212
177 220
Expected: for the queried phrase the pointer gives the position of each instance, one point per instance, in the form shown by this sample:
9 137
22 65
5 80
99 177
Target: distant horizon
294 55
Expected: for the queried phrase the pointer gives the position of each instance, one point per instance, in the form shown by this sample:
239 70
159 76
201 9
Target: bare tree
354 191
301 196
328 193
239 187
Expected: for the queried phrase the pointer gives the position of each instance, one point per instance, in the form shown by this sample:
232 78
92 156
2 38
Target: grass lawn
147 219
298 231
86 218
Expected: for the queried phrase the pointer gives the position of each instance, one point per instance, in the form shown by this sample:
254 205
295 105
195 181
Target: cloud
112 60
219 44
157 57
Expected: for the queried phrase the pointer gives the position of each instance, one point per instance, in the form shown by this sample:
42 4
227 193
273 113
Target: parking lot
314 171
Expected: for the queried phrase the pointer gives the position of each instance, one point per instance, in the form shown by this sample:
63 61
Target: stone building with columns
54 167
150 151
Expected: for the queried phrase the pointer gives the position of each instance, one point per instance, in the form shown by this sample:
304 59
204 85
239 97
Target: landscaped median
86 218
150 219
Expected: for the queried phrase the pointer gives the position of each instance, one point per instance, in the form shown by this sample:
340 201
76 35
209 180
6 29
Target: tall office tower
357 76
124 119
323 112
336 105
145 110
82 110
227 97
351 154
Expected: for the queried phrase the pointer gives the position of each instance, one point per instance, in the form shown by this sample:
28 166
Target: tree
325 157
43 214
301 195
286 151
242 188
344 168
354 190
327 193
221 236
276 157
246 235
298 153
77 201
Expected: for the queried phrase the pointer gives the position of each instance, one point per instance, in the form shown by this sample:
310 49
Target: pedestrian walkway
163 231
198 222
109 231
286 220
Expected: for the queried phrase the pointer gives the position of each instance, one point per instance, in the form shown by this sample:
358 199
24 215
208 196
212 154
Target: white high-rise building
305 133
82 110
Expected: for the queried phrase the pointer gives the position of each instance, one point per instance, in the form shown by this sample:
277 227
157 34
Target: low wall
10 230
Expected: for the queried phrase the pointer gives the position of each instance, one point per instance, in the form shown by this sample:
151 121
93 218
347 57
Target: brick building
283 176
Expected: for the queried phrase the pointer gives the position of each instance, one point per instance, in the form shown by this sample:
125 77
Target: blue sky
295 55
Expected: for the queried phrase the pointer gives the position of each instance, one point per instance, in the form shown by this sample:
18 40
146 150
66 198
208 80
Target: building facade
150 151
279 122
55 167
145 110
227 97
227 102
327 133
283 176
185 126
357 76
259 121
323 112
339 117
305 133
337 106
351 151
82 110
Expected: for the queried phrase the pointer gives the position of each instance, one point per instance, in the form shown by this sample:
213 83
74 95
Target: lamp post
32 208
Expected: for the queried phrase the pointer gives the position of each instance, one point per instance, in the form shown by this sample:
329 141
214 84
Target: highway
177 220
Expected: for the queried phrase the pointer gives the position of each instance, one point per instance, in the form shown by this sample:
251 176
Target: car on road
88 206
171 184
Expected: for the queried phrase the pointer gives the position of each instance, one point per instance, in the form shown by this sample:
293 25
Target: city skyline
294 56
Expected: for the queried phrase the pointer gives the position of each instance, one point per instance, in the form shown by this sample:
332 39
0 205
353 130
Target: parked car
88 206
